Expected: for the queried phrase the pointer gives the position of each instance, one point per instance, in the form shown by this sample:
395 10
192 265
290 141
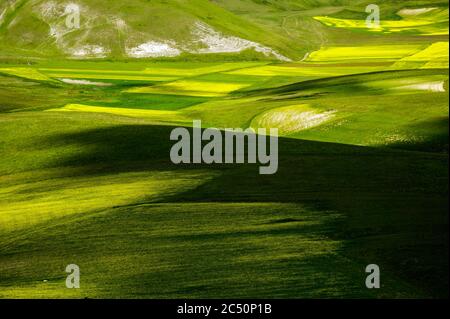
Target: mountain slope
136 28
281 30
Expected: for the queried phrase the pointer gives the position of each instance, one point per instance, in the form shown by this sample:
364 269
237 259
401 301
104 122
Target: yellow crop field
192 88
155 115
423 26
378 52
27 73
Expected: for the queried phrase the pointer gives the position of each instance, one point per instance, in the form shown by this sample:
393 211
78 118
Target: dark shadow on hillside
305 167
437 141
394 202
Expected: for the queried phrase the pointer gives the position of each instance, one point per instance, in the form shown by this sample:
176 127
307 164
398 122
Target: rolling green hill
137 28
86 178
277 30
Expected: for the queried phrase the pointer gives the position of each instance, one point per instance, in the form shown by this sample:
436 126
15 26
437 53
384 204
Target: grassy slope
296 19
287 26
145 21
159 241
349 187
142 227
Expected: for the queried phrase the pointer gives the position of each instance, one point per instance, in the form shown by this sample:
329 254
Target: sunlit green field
86 178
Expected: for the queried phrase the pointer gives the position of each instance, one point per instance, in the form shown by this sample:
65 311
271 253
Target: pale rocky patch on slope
88 51
438 86
55 14
213 41
88 42
292 119
204 40
50 10
154 49
84 82
414 12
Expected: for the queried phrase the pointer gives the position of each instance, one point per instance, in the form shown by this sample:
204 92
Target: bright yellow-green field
364 53
27 73
434 56
427 22
71 196
304 69
191 88
156 115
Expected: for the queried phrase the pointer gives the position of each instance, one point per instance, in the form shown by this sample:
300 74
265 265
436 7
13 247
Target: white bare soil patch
51 10
414 12
89 51
438 86
204 40
212 41
292 119
55 14
153 49
84 82
119 23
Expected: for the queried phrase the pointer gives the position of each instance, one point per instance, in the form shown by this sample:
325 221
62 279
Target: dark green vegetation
308 231
86 178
